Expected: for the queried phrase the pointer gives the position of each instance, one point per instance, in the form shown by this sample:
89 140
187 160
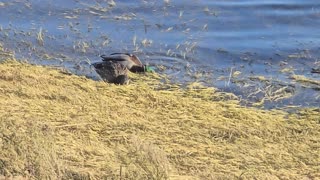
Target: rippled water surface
229 44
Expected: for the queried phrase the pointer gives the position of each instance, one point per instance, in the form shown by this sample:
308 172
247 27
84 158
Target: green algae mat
60 126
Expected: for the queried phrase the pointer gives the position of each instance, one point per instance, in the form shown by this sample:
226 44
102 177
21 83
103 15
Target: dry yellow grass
54 125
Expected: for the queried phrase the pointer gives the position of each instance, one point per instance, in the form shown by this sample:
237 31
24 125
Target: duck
114 68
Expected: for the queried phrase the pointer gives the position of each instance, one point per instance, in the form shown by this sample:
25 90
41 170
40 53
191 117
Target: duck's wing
116 57
121 53
122 57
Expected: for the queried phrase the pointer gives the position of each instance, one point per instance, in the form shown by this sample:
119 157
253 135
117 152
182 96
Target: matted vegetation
57 125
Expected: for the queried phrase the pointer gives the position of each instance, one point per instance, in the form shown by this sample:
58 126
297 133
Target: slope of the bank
57 125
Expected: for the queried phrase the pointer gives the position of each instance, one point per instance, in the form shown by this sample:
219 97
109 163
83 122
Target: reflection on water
195 40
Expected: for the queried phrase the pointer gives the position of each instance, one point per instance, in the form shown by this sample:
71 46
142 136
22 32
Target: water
190 40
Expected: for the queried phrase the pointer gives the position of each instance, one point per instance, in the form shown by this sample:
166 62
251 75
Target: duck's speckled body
112 72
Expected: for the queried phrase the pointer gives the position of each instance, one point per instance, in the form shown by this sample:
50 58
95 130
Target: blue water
184 36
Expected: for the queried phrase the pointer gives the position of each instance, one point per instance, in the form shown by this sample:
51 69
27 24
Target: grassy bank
57 125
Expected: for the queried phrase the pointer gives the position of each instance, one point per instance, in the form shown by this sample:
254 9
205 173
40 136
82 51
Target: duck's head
135 60
143 68
139 67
